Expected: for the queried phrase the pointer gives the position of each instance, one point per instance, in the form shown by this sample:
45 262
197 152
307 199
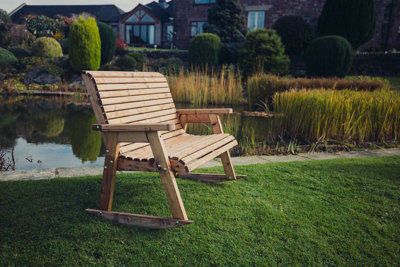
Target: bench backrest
130 97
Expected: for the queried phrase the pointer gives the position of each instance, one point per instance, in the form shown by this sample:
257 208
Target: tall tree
226 20
354 20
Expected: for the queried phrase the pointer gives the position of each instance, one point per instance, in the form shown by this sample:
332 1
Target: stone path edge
237 161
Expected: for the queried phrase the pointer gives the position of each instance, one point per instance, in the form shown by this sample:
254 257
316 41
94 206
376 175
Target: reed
201 87
262 87
346 115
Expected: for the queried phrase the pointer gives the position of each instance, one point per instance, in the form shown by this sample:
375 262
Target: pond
41 133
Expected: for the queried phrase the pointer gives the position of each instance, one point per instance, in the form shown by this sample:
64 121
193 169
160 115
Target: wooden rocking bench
143 131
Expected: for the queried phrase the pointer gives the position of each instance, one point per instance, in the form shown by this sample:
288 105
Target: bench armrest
134 127
204 111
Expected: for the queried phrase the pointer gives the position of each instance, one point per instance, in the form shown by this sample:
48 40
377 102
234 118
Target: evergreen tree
226 20
354 20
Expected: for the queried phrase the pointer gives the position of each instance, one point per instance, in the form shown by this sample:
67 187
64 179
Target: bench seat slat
139 111
130 99
119 80
124 93
120 74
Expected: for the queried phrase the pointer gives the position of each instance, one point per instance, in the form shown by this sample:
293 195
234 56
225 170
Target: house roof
101 12
163 14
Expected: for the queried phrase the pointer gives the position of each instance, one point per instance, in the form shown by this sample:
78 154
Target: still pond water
56 132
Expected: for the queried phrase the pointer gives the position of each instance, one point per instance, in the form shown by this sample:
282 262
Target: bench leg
167 176
225 157
110 168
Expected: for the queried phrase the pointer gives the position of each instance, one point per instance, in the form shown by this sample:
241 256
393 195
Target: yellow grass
341 115
200 88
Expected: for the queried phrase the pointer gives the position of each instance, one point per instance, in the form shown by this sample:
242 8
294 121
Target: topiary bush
19 52
64 45
204 50
7 58
263 52
84 45
46 47
131 61
329 56
108 42
295 33
354 20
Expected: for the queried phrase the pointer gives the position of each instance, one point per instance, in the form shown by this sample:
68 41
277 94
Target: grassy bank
309 213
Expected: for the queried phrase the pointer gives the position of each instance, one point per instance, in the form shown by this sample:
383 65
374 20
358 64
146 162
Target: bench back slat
130 97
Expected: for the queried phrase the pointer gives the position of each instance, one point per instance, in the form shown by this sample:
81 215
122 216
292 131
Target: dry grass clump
202 87
341 115
261 87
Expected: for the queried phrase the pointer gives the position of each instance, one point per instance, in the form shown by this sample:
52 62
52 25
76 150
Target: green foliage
226 20
19 52
131 61
263 52
4 17
7 58
108 42
329 56
86 143
84 45
171 65
295 33
42 25
55 66
46 47
64 45
204 50
354 20
347 115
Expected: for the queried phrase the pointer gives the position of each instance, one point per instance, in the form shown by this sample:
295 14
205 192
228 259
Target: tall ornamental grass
202 87
262 87
342 115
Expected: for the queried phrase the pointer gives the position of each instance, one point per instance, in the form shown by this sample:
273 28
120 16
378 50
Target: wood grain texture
205 111
135 127
152 222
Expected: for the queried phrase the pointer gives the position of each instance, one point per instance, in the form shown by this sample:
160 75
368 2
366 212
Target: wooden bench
143 131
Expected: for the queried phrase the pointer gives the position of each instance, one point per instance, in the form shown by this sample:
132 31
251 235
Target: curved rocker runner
143 131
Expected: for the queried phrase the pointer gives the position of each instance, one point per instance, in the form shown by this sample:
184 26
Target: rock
77 83
32 74
47 78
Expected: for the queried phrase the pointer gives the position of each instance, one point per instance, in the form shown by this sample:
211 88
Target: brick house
191 15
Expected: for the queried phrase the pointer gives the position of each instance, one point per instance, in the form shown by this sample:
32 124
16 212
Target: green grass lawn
335 212
394 81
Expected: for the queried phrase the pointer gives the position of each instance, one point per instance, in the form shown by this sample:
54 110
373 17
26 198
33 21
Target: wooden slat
137 127
119 74
130 99
156 116
197 118
123 93
194 164
127 86
205 111
152 222
208 177
126 164
143 103
138 111
129 80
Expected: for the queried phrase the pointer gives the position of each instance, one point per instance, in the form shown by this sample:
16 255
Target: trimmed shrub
204 50
46 47
295 33
131 61
84 45
19 52
354 20
167 66
7 58
329 56
121 46
263 52
108 42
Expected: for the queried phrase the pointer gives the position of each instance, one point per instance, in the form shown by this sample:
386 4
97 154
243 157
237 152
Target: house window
196 27
140 16
170 33
255 20
139 33
202 2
